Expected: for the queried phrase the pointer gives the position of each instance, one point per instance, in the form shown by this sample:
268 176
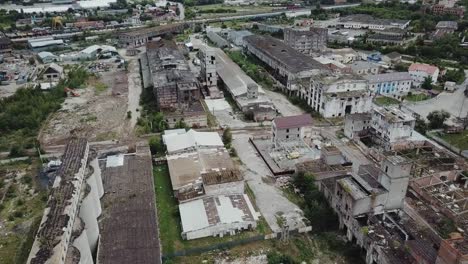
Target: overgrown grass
100 87
384 101
417 97
458 140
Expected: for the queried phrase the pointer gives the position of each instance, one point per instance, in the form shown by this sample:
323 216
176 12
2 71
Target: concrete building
364 67
217 216
217 40
290 128
247 94
176 89
394 84
139 37
289 67
69 230
53 72
5 44
237 37
390 125
338 95
357 125
180 141
307 41
46 57
208 71
44 44
439 9
362 21
419 72
443 28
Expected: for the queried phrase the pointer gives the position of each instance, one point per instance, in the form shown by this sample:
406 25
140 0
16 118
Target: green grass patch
458 140
100 87
169 218
384 101
417 97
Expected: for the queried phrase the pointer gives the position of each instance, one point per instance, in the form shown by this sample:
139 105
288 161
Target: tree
427 84
421 125
437 118
157 147
227 137
180 124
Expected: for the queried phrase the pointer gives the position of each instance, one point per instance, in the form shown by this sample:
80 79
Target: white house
419 72
289 128
53 72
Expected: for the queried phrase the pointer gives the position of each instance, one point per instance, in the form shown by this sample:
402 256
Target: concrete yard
269 199
283 105
454 103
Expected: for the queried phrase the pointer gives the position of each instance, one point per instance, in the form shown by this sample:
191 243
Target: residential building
139 37
362 21
289 67
356 124
248 95
444 10
364 67
237 37
290 128
307 41
419 72
443 28
338 95
390 125
53 72
393 84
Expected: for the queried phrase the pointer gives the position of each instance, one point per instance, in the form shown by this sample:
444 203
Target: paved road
269 199
455 103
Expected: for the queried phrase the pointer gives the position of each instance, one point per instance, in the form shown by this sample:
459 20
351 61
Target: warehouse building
289 67
247 94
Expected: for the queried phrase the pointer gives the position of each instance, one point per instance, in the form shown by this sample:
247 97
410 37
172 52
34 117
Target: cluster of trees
250 68
199 2
217 10
315 204
436 120
457 76
22 114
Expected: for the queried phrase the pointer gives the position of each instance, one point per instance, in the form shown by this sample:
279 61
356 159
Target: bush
157 147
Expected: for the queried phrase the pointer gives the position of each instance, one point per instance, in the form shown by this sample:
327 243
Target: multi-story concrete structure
356 124
307 41
208 66
175 87
139 37
443 28
439 9
289 67
237 37
394 84
391 36
336 96
69 229
362 21
289 128
390 125
419 72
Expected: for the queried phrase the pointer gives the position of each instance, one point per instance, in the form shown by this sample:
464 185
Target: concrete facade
336 96
419 72
290 128
395 84
307 41
356 124
390 125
